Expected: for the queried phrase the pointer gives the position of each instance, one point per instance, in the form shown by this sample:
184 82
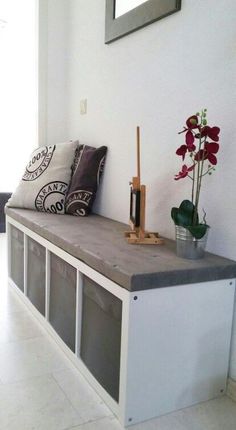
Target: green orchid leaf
182 219
187 206
183 215
174 214
198 231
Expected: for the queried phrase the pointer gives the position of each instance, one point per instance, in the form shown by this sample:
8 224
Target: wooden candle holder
137 234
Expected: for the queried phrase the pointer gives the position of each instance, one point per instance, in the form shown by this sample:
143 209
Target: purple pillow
86 174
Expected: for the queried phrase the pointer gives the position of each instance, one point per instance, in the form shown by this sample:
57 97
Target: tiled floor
40 389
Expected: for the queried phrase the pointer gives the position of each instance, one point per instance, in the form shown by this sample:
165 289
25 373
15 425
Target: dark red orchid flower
208 153
182 151
189 139
192 122
211 132
184 172
211 149
190 147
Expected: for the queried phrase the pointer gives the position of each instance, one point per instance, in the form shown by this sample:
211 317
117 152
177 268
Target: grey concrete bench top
99 242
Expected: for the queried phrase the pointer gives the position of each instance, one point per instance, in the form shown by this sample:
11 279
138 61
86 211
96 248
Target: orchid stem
195 213
193 187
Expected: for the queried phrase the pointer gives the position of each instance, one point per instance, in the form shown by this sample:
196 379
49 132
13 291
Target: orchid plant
201 145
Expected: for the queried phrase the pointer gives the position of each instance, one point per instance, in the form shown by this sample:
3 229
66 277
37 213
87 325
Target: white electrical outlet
83 107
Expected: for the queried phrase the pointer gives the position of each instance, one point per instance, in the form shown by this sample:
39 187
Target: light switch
83 107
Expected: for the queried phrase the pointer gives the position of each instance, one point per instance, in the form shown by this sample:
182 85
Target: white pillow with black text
47 175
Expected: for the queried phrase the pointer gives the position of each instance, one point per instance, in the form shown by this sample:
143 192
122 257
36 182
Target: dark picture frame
135 207
139 17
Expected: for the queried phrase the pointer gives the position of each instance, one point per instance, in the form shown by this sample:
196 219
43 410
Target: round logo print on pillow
51 198
39 162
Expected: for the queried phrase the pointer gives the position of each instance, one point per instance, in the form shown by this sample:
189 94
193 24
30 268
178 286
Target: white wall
53 69
155 78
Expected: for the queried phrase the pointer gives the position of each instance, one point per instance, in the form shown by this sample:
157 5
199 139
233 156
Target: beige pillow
46 179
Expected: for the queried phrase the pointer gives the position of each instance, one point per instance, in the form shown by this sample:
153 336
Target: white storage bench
150 332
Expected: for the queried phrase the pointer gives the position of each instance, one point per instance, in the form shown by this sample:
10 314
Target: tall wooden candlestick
137 209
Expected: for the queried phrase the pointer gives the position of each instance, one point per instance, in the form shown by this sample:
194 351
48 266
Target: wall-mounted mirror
124 6
125 16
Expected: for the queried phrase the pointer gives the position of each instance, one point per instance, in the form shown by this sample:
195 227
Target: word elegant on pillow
45 182
86 174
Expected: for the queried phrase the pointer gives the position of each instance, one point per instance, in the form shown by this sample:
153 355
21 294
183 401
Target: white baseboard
231 389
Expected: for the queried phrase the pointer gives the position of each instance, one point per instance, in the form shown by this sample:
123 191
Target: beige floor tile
9 302
36 404
26 359
81 395
108 423
17 326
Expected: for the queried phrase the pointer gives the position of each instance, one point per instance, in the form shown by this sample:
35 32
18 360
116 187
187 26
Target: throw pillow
47 175
86 174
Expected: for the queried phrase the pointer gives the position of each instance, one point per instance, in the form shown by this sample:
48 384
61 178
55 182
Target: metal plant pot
188 246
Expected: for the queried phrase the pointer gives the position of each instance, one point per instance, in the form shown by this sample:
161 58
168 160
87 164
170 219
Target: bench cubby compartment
62 302
17 256
36 265
101 335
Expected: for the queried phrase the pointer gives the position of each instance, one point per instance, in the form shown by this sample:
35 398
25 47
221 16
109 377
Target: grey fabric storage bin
62 314
36 275
17 257
101 335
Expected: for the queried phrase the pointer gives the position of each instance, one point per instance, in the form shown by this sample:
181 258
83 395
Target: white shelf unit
174 341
